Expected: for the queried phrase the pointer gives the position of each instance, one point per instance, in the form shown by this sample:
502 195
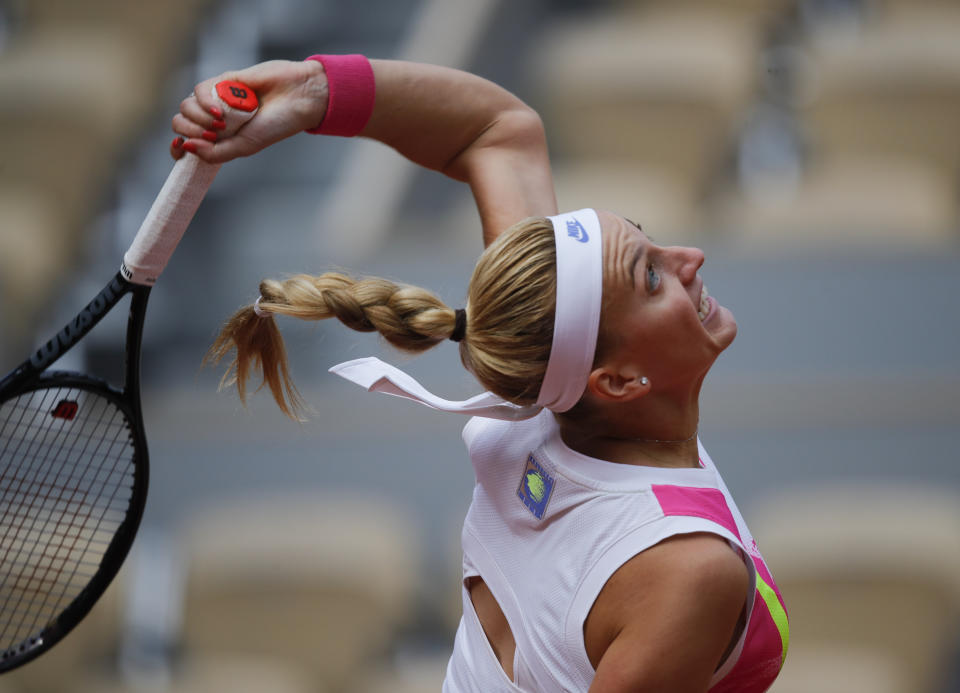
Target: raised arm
443 119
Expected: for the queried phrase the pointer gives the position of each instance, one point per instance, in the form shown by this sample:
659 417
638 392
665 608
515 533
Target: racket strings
66 473
61 540
42 490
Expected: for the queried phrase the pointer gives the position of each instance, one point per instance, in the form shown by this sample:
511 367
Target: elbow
517 133
522 126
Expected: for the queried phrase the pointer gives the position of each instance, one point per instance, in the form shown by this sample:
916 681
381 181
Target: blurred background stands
79 82
810 146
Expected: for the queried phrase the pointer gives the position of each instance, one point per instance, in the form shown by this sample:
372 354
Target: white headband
577 314
576 323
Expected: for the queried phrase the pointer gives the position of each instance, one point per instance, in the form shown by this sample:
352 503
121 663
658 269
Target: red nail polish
219 125
190 147
216 113
177 142
209 136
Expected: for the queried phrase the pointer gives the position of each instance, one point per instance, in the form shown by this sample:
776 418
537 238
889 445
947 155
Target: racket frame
30 376
142 264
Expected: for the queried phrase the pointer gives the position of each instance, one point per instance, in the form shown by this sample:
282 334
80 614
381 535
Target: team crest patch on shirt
536 487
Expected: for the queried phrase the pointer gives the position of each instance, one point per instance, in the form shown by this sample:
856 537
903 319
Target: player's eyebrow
637 259
638 255
640 228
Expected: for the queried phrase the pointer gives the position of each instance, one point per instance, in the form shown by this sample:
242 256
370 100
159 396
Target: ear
617 385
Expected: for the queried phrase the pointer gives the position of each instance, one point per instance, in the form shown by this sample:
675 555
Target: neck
654 432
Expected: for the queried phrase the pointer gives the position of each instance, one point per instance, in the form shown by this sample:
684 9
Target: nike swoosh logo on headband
576 231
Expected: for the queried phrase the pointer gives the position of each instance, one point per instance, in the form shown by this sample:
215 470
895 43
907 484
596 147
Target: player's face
656 311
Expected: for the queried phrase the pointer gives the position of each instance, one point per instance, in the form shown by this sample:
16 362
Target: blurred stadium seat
656 88
32 252
320 581
759 12
869 568
159 29
664 206
875 100
891 87
844 201
80 80
411 675
75 100
839 668
241 674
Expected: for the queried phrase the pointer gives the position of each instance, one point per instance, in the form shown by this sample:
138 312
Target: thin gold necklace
657 440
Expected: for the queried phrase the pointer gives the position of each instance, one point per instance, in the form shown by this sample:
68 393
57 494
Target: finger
203 95
216 153
187 128
206 107
176 148
193 110
201 148
221 152
190 123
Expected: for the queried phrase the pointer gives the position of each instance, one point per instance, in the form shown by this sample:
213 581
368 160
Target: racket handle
181 194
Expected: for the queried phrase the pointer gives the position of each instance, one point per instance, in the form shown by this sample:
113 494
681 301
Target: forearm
446 120
432 114
469 129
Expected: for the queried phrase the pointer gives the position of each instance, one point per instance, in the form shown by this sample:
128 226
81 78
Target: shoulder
696 570
692 560
667 615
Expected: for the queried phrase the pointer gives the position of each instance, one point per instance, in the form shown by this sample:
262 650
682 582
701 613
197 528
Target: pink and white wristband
351 93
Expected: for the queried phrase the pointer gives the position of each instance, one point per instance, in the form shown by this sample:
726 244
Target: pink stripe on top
690 501
762 656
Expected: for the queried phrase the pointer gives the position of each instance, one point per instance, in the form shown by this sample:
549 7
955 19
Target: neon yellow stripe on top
777 612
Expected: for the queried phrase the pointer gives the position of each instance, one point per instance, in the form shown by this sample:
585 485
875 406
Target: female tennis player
602 550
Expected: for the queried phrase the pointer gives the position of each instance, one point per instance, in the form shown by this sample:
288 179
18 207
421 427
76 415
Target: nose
687 261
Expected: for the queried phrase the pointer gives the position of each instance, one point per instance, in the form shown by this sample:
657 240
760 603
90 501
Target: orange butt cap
237 95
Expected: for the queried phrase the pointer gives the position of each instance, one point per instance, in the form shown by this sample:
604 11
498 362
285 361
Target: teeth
704 304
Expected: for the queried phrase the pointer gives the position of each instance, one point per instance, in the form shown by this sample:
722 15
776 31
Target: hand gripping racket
73 453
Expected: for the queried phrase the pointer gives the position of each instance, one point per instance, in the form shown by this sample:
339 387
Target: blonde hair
509 328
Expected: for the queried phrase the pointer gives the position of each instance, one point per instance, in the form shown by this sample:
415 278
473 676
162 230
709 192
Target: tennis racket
73 452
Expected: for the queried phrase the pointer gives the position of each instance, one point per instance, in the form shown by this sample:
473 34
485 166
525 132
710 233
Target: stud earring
644 381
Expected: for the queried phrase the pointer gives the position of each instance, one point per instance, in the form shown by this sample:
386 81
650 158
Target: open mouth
707 304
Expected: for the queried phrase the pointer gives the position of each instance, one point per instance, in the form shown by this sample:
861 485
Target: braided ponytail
505 339
410 318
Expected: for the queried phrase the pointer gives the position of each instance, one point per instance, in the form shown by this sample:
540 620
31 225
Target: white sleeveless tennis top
546 529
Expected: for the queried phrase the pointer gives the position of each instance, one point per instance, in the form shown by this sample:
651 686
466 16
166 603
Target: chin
725 327
733 336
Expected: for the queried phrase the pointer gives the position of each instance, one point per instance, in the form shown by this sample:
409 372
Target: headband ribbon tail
375 375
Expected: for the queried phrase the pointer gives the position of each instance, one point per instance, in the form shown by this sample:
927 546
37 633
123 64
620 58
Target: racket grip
181 195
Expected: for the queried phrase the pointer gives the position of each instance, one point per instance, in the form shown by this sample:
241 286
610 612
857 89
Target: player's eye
653 278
